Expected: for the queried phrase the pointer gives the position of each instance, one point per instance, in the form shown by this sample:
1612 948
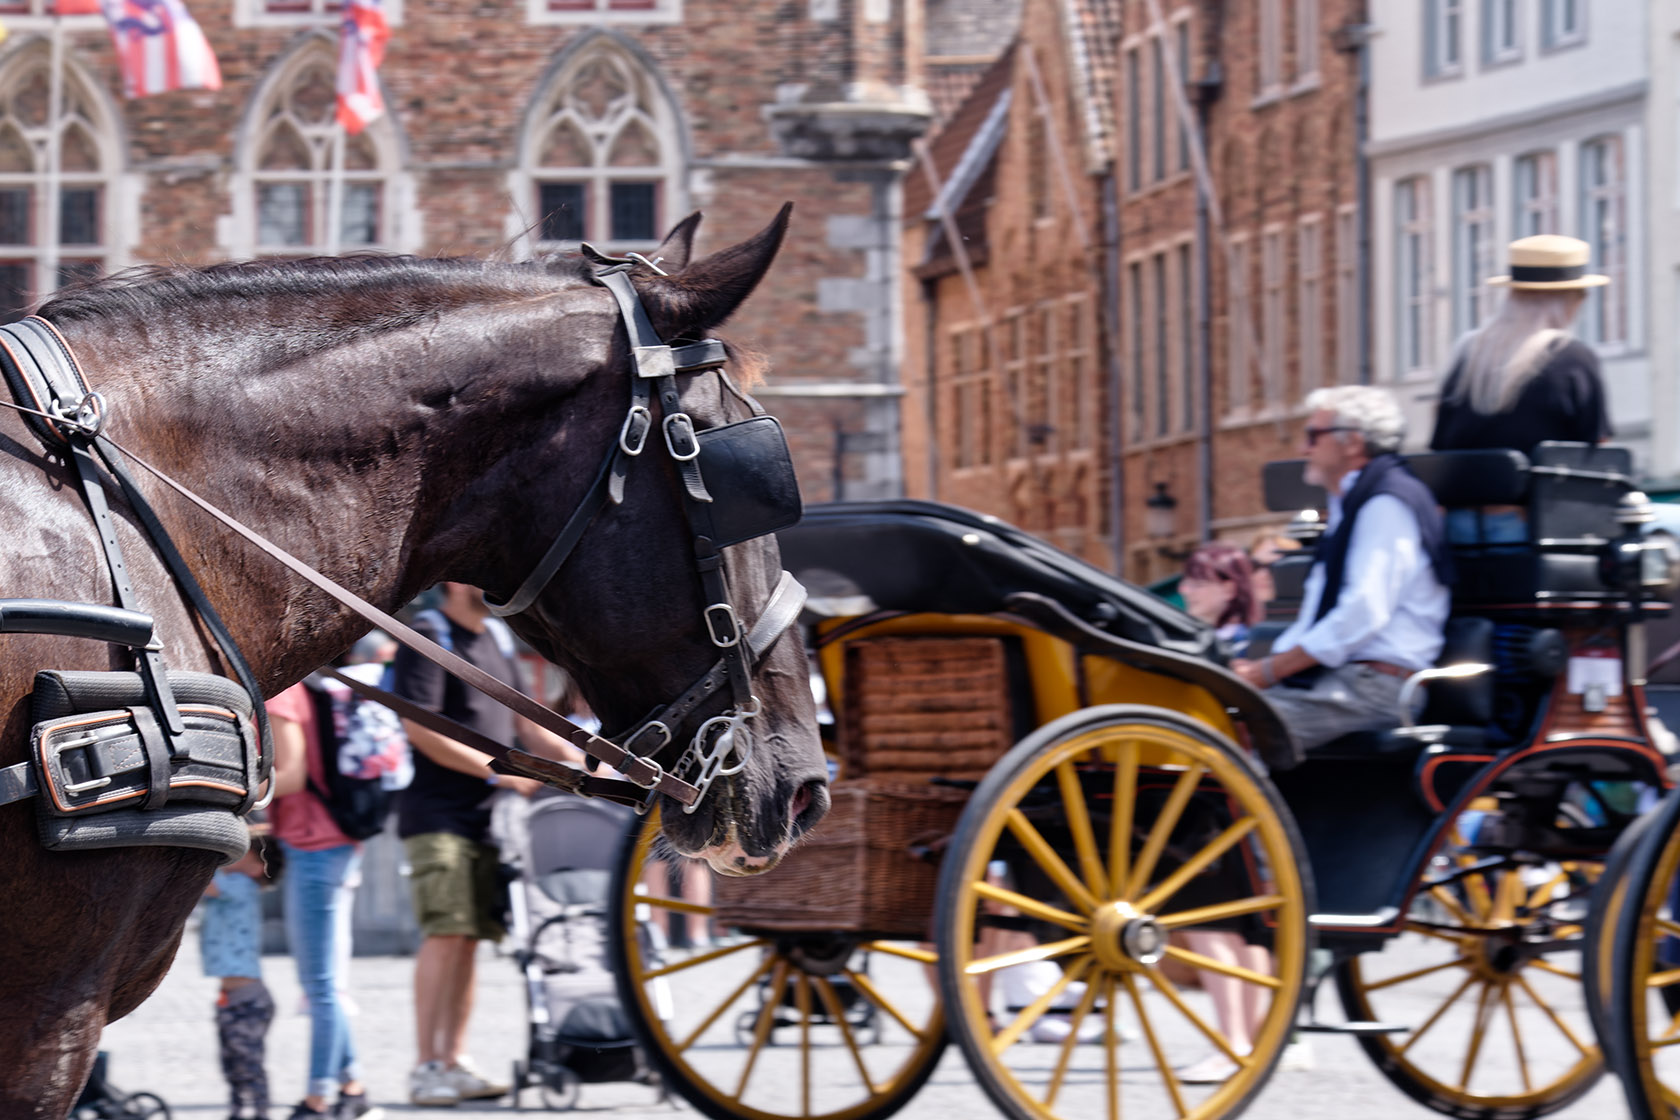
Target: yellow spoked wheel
1085 858
1643 1013
1488 977
763 1027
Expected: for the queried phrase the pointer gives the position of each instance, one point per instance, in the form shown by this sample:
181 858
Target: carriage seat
1456 712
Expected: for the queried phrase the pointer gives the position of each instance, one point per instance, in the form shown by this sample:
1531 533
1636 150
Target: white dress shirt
1391 608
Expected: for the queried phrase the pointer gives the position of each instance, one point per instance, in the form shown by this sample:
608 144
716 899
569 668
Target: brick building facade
1209 315
513 129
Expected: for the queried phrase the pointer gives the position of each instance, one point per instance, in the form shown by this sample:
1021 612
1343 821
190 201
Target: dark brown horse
394 422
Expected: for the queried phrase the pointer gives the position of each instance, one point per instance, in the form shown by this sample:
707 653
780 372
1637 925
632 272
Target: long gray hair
1502 357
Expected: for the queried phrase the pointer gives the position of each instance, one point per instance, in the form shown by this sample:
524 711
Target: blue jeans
317 891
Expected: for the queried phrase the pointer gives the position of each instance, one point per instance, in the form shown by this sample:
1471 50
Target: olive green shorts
457 886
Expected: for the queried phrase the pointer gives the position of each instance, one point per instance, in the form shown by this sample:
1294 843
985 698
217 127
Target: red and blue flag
361 48
160 47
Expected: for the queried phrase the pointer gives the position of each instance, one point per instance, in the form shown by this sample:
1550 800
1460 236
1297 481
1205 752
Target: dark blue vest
1385 474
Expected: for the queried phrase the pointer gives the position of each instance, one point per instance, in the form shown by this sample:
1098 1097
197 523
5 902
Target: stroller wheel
144 1106
561 1089
747 1024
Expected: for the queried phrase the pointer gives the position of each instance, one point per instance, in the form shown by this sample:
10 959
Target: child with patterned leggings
230 937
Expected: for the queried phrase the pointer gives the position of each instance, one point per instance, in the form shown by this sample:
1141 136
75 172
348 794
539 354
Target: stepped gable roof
950 81
1093 34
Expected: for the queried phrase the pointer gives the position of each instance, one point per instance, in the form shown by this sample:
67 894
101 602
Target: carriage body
1048 785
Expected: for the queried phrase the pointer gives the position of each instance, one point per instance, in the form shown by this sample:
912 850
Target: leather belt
1388 668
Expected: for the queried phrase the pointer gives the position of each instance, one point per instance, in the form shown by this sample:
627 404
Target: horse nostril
808 806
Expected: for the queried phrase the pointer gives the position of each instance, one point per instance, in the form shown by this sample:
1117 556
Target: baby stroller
557 921
100 1100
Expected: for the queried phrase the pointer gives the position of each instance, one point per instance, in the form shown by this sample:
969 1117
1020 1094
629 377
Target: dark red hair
1217 560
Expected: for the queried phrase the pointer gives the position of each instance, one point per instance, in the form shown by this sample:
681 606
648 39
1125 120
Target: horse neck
386 464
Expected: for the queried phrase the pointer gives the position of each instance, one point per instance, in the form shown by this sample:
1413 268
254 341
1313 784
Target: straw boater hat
1548 262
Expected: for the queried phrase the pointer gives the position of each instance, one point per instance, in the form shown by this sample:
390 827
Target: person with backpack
323 866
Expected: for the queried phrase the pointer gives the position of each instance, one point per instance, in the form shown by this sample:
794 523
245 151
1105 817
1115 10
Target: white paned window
44 245
1347 295
1270 56
1183 39
1014 342
1272 318
1083 416
1563 23
1043 384
1134 284
1473 247
1443 37
1186 338
1158 105
1501 36
303 169
1535 207
1603 226
1412 281
298 13
1134 119
1163 341
604 11
1239 327
1306 41
1309 296
602 155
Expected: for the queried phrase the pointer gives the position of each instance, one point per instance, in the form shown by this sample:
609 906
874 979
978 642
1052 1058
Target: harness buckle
710 761
679 429
632 437
630 745
723 613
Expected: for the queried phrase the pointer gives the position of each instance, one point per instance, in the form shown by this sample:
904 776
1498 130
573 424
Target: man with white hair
1376 598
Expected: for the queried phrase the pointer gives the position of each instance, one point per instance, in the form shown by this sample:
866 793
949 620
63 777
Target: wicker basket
917 708
856 872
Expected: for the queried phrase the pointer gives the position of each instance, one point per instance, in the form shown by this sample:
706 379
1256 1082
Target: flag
76 8
361 48
160 47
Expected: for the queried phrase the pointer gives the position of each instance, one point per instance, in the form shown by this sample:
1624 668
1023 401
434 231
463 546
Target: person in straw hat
1523 378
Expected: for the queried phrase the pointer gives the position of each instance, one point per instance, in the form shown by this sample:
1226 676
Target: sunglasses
1312 434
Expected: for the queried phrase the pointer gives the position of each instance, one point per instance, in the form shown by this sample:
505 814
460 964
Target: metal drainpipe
1204 331
1361 37
930 399
1110 296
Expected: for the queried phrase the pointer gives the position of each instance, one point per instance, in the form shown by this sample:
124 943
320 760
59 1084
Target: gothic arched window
55 182
302 168
602 154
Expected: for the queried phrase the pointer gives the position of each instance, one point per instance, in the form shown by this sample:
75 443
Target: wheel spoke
1219 911
1111 1052
1478 1031
1049 951
1079 823
761 1030
1659 1043
1161 831
1051 863
1668 927
863 984
802 1000
1557 1022
1166 988
1120 812
1169 1076
1663 979
1031 906
1075 1021
1439 1011
892 950
1516 1037
1542 894
1547 966
1481 899
1390 981
1198 961
831 1001
675 904
1192 867
758 974
1425 931
703 958
1445 898
1035 1010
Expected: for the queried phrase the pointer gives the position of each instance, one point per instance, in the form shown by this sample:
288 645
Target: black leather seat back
1456 478
1469 701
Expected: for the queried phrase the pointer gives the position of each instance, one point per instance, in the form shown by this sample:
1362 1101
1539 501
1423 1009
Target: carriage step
1359 1028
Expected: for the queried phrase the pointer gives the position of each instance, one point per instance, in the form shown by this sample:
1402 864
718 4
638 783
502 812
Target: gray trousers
1352 697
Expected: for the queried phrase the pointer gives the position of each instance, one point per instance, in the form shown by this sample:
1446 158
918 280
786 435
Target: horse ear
703 295
673 252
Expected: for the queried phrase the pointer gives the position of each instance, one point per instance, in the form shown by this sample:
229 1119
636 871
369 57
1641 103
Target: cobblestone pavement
168 1047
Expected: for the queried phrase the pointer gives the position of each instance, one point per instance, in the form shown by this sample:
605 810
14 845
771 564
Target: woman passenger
1523 378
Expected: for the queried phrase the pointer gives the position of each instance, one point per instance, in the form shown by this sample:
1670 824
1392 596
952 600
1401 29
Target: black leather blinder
748 471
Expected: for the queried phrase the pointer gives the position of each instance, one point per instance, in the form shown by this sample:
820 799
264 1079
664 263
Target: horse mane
396 282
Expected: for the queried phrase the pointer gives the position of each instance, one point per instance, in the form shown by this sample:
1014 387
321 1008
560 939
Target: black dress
1564 401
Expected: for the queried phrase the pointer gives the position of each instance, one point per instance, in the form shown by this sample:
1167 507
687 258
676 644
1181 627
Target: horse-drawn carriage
1051 793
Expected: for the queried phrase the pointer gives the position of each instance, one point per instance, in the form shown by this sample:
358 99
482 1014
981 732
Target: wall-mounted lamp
1160 519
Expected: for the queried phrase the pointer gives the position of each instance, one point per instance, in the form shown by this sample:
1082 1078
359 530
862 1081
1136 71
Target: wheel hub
1125 940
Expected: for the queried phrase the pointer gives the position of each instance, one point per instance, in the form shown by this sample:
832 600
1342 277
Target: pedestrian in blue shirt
230 938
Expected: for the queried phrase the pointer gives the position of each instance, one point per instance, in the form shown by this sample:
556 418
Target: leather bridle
720 746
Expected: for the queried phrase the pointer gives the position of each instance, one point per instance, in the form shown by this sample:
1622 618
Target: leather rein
72 415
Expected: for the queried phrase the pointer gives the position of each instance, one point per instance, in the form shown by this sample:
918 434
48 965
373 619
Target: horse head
630 617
